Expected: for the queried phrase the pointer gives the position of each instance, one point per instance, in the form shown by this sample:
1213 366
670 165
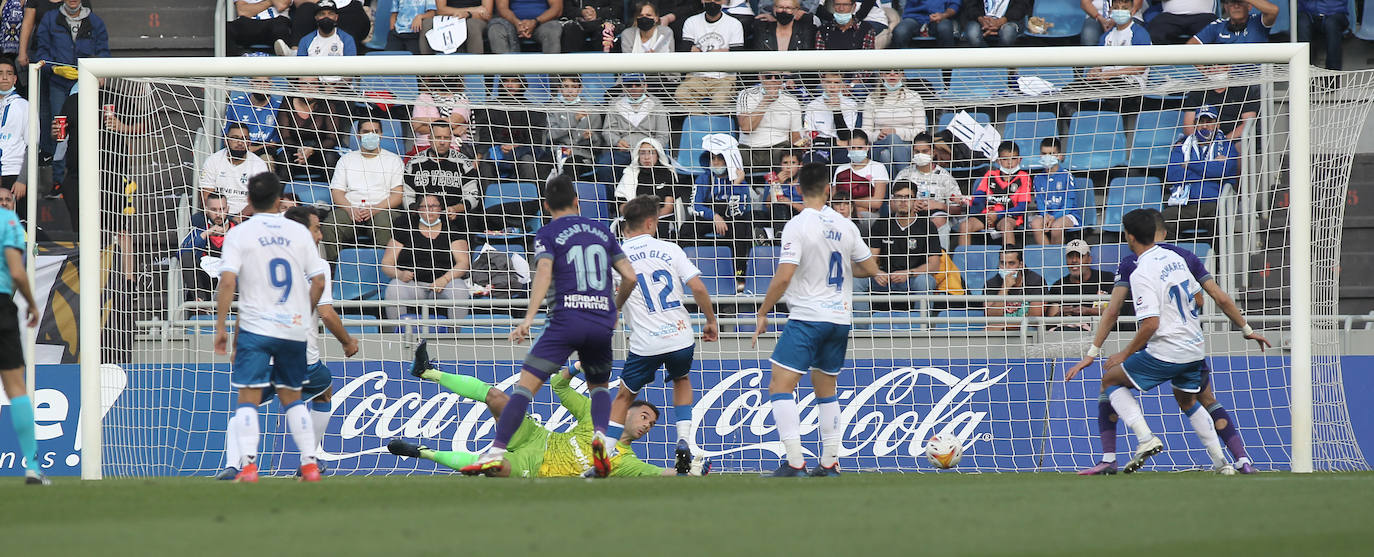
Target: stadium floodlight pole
1300 230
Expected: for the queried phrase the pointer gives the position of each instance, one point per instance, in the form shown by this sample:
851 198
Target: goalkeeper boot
36 478
1103 468
309 472
1143 453
420 364
248 474
786 470
228 473
683 463
399 447
822 472
601 456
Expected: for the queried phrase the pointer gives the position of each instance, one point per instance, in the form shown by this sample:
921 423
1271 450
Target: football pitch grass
857 514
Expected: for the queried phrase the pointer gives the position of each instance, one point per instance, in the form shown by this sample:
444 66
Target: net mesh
945 350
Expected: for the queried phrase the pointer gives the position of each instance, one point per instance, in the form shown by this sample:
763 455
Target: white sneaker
282 48
1149 448
1225 470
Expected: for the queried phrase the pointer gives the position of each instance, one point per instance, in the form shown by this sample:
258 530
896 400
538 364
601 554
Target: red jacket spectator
1009 195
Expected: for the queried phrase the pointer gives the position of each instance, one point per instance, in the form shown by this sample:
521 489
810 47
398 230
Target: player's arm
1104 328
577 403
776 288
627 281
316 289
703 300
630 466
14 257
543 277
228 283
1146 329
1228 306
336 328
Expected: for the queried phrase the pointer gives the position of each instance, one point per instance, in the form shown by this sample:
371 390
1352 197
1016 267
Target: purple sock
1226 429
512 416
601 408
1106 424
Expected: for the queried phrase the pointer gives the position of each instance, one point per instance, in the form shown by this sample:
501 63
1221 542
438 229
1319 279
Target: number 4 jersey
582 251
1163 287
274 259
658 320
824 246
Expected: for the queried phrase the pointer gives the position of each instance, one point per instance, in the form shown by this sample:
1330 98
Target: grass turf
928 514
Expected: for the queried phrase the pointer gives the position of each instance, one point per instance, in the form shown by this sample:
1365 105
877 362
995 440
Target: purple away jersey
583 252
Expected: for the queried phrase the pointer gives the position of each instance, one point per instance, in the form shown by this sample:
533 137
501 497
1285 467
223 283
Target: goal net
428 185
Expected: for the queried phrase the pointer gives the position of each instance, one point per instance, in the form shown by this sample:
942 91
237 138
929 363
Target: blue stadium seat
1027 129
595 85
896 320
358 275
946 118
1106 257
1129 193
362 329
539 88
1155 131
977 263
1097 141
717 268
689 142
773 325
960 326
1047 261
932 76
763 264
516 249
507 192
487 329
311 193
393 137
1066 15
592 203
476 88
976 83
1057 75
381 25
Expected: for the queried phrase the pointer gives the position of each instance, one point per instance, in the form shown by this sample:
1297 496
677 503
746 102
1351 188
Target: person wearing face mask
635 115
1125 31
348 16
1181 20
1246 21
1235 106
770 119
647 34
1083 280
226 172
367 185
1000 199
791 28
721 212
449 174
427 259
441 100
1057 197
988 19
937 193
846 31
864 179
1100 19
14 128
257 22
1013 281
926 18
327 38
585 23
574 128
1200 166
206 238
64 35
712 30
258 111
652 173
893 114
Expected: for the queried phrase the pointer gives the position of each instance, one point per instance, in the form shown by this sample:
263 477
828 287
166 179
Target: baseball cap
1077 246
1207 111
631 77
326 5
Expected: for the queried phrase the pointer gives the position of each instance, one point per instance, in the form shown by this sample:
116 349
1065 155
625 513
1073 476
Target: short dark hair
1012 249
237 126
7 61
1052 142
264 189
814 179
638 403
1008 147
440 124
923 137
301 214
559 193
857 133
365 121
215 195
640 209
902 185
1160 223
784 153
1140 224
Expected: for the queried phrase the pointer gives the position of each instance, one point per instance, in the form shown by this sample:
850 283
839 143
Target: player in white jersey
660 326
822 253
270 256
318 386
1168 344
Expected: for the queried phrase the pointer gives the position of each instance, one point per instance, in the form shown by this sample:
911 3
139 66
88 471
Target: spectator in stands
409 21
11 26
720 206
709 31
864 179
1083 280
653 173
633 116
1000 200
448 174
926 18
526 19
882 17
1328 18
259 22
1236 106
591 25
1099 19
1058 199
1181 20
426 259
34 10
770 119
994 18
328 38
892 116
512 136
311 130
14 128
258 111
791 28
831 115
476 14
784 190
208 228
64 35
937 193
845 31
441 100
649 33
226 172
1199 168
1125 31
367 185
1246 21
1013 281
907 247
574 129
347 15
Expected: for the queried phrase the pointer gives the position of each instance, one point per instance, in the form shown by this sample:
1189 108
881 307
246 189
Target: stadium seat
516 249
592 203
507 192
476 88
763 264
895 320
595 86
1281 24
1129 193
1097 141
209 327
362 329
976 83
539 88
1106 257
1047 261
934 77
1155 131
311 193
773 325
946 118
1158 75
393 136
381 25
977 263
487 328
689 142
717 268
1365 28
1059 76
1027 129
960 326
359 275
1066 15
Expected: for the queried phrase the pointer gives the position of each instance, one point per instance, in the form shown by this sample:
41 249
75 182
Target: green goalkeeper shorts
525 451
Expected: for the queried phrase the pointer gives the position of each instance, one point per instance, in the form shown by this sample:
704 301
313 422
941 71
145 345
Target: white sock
302 431
1108 457
788 420
320 419
233 455
1129 410
1207 432
684 430
831 431
247 416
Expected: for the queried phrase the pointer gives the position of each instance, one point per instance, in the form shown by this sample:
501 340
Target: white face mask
1221 77
921 159
434 222
1010 169
1006 273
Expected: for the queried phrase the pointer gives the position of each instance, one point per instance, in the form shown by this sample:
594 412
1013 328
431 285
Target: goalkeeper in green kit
535 452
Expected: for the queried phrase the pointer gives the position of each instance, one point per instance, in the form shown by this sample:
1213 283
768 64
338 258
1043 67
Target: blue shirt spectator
1243 24
1057 196
258 111
926 18
1330 19
65 34
1201 163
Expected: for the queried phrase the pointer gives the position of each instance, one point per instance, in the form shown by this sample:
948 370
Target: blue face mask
718 170
1121 17
7 92
843 19
1049 161
370 141
566 100
639 99
892 86
1203 134
857 156
1006 273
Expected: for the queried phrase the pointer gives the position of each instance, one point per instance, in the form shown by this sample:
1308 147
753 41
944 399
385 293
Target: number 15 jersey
274 259
583 251
824 246
1163 287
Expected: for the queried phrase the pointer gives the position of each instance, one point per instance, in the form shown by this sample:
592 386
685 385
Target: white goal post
1299 156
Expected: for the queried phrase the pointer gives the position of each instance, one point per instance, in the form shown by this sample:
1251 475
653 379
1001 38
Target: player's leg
1106 431
233 451
595 351
546 357
1225 426
21 418
1186 386
829 361
679 365
792 357
465 386
288 376
1137 371
318 393
251 372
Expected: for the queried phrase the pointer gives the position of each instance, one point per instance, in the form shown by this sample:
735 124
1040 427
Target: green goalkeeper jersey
568 454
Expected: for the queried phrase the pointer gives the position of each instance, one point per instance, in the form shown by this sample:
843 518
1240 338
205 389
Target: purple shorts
558 342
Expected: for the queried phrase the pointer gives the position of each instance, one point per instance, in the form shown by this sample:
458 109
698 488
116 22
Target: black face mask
1237 27
325 25
258 97
784 18
712 9
238 153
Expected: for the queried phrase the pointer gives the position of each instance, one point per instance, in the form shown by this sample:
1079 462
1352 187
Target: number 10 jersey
583 251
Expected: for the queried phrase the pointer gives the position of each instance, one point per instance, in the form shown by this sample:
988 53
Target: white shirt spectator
14 129
938 184
821 119
368 181
1186 7
874 170
779 118
220 175
269 13
902 110
725 33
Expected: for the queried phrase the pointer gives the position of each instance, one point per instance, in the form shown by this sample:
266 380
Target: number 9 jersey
1163 287
274 259
824 245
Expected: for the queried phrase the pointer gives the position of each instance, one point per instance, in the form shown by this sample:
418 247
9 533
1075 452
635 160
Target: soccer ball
944 451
